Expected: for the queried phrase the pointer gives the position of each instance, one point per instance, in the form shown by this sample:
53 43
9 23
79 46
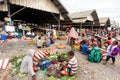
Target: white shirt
39 43
20 26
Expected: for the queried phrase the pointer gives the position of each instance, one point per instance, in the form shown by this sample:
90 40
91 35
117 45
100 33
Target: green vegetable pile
60 57
63 78
16 63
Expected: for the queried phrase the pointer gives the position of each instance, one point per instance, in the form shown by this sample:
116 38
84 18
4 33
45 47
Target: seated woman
85 47
46 42
95 54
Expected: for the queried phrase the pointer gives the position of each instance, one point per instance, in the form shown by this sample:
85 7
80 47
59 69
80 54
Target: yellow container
32 42
77 47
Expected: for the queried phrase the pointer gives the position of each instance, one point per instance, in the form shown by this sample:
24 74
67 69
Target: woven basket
61 46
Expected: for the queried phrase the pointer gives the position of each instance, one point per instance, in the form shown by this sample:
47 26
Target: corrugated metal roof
44 5
60 6
3 7
62 9
79 20
103 20
54 6
81 17
81 14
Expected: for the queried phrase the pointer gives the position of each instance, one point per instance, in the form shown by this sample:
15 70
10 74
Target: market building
34 11
50 12
104 22
85 19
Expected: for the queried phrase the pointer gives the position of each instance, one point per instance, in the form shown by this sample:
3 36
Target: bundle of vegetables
60 57
53 56
63 57
54 68
62 78
16 63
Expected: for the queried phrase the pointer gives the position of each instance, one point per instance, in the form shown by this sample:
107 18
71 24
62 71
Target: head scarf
95 44
31 52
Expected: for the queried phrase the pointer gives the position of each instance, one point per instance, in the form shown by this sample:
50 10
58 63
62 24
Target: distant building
104 22
114 24
87 19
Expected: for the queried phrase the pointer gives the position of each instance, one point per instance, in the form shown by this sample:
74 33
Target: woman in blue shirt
85 47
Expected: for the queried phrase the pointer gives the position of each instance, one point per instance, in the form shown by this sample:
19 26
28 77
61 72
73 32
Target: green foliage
62 78
53 56
16 63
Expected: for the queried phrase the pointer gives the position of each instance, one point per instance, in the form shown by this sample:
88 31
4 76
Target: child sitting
65 70
70 68
39 43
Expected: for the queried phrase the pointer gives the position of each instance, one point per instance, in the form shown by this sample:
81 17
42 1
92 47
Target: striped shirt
73 65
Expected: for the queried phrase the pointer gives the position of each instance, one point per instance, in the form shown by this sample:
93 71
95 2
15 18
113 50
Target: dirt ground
87 70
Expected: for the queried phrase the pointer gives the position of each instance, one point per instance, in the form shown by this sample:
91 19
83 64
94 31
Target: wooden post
92 26
59 24
80 29
8 6
9 14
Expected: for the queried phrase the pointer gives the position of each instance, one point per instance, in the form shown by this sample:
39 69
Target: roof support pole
58 20
8 6
80 31
55 17
18 11
92 26
59 24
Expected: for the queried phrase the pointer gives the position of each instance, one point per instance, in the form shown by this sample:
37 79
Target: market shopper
27 64
73 35
19 36
54 34
112 52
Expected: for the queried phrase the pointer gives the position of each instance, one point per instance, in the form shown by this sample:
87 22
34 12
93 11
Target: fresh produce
16 63
62 78
53 56
32 42
61 46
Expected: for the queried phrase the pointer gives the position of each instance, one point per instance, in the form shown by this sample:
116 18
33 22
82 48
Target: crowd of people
97 43
93 45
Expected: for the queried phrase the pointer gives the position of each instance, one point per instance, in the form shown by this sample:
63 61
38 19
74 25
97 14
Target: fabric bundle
73 33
